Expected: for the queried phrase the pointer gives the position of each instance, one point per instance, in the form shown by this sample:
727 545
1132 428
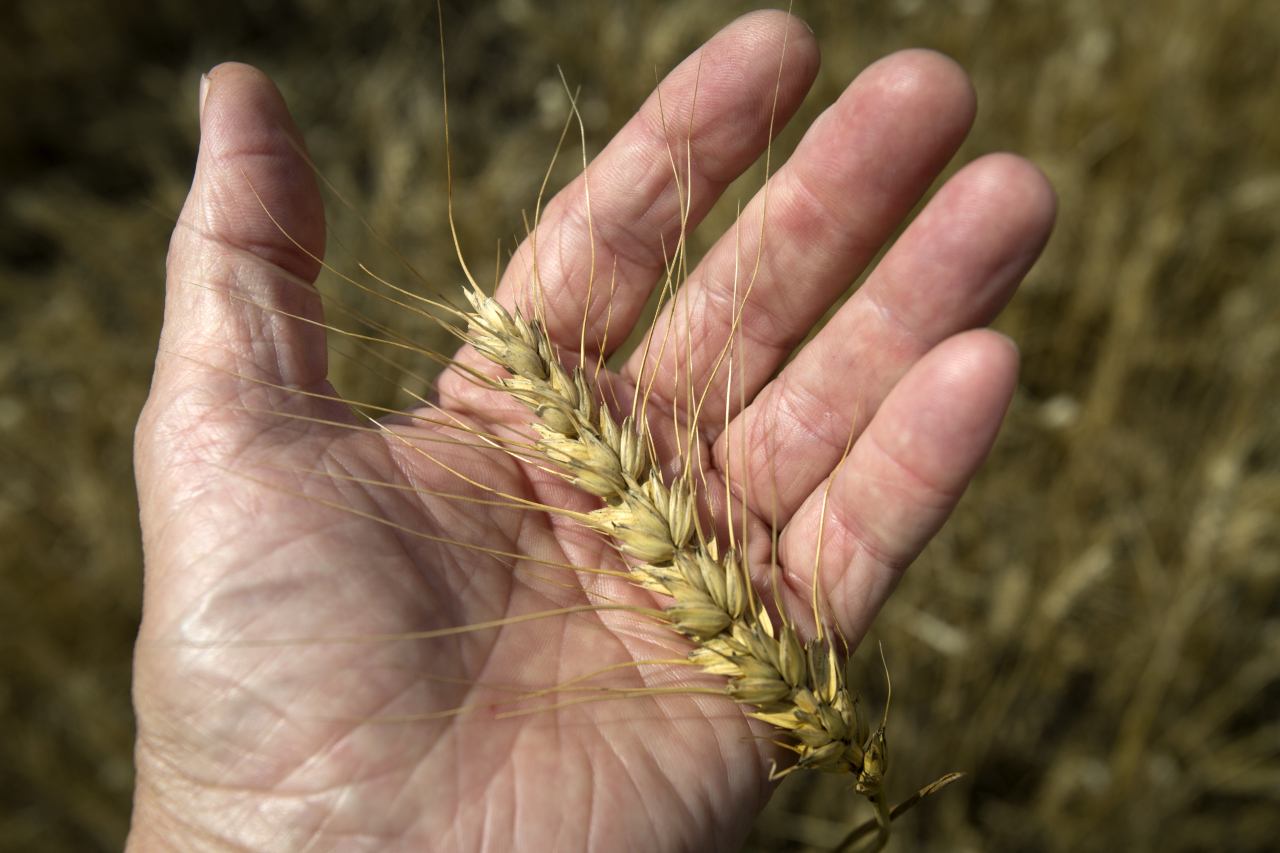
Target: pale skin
251 747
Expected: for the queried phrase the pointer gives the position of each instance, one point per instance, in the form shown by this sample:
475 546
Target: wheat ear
798 688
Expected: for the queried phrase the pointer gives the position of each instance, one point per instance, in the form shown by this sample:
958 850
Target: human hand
267 515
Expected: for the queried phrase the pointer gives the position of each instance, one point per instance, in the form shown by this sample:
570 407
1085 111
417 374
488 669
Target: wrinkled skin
255 530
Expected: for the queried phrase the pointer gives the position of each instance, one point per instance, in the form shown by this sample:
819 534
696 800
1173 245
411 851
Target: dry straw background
1094 637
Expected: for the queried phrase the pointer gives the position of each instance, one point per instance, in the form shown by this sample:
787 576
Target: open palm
267 517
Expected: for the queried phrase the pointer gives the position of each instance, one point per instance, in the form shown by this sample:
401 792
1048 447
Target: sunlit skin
260 525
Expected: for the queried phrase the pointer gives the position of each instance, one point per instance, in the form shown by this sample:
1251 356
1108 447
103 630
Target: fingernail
204 93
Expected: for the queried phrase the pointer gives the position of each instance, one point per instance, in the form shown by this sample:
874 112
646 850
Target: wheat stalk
799 688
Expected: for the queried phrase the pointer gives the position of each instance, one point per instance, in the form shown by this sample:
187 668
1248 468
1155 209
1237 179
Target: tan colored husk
799 688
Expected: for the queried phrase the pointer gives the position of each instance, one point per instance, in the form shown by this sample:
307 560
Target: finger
857 172
712 115
954 268
244 250
903 477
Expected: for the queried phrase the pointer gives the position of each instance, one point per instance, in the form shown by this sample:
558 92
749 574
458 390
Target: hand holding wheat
266 516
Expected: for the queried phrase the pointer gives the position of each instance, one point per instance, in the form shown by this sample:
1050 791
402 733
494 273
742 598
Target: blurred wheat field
1094 637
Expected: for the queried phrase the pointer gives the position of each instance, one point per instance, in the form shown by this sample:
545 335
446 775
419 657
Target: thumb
240 313
245 252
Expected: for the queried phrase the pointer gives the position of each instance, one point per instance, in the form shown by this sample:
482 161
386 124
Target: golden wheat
798 688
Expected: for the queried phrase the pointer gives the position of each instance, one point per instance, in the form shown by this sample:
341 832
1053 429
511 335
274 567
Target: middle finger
859 169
